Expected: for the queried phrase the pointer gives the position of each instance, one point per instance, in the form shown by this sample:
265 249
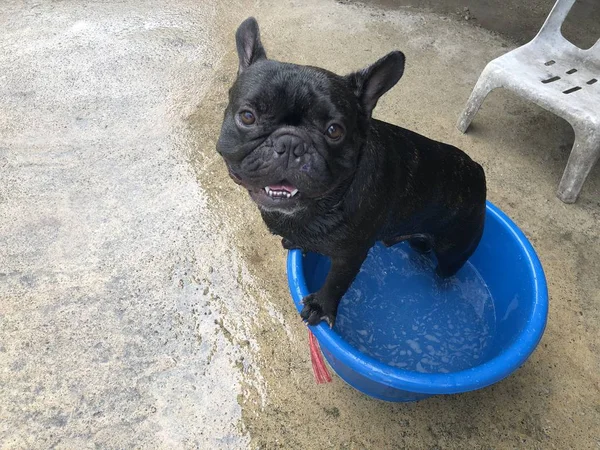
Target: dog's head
293 134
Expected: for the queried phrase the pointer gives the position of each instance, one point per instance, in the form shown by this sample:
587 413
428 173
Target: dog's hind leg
456 245
449 263
420 244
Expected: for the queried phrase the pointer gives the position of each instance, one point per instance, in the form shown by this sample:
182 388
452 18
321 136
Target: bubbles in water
399 312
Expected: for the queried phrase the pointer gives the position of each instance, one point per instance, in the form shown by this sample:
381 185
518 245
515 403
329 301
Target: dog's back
437 195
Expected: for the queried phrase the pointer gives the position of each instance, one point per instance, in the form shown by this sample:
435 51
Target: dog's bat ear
249 47
370 83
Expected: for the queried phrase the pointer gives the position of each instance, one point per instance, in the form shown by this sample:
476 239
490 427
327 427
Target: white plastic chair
559 77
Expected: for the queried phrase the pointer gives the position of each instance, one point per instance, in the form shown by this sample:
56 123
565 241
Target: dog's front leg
323 304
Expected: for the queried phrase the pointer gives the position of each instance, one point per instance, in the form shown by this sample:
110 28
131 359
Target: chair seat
562 79
558 76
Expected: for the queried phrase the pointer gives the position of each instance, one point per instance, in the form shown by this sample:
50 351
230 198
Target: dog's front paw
289 245
315 309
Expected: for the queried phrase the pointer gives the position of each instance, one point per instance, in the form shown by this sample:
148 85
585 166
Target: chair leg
486 83
584 155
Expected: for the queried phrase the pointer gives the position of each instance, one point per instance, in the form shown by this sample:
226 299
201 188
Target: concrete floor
142 302
516 20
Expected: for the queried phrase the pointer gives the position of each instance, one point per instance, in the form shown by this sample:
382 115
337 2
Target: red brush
318 364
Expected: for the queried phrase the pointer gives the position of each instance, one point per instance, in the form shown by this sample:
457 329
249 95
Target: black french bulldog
330 179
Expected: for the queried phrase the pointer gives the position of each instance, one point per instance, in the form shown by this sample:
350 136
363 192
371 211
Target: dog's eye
247 118
335 131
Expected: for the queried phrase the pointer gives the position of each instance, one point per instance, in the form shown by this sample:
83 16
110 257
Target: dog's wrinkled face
286 137
292 134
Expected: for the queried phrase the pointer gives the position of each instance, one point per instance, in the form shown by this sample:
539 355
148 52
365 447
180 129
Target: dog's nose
290 144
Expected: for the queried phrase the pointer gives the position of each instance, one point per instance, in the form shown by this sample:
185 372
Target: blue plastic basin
513 320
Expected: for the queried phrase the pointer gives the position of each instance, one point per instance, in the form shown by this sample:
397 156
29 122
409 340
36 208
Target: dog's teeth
280 194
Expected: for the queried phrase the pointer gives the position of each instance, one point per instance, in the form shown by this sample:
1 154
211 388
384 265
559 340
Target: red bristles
318 364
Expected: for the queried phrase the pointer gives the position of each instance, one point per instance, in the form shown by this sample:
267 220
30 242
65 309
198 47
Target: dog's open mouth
281 190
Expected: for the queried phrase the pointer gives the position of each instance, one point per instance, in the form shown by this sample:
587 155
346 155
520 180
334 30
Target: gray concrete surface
516 20
142 302
112 331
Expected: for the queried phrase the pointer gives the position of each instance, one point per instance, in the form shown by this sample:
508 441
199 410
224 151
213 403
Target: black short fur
377 182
